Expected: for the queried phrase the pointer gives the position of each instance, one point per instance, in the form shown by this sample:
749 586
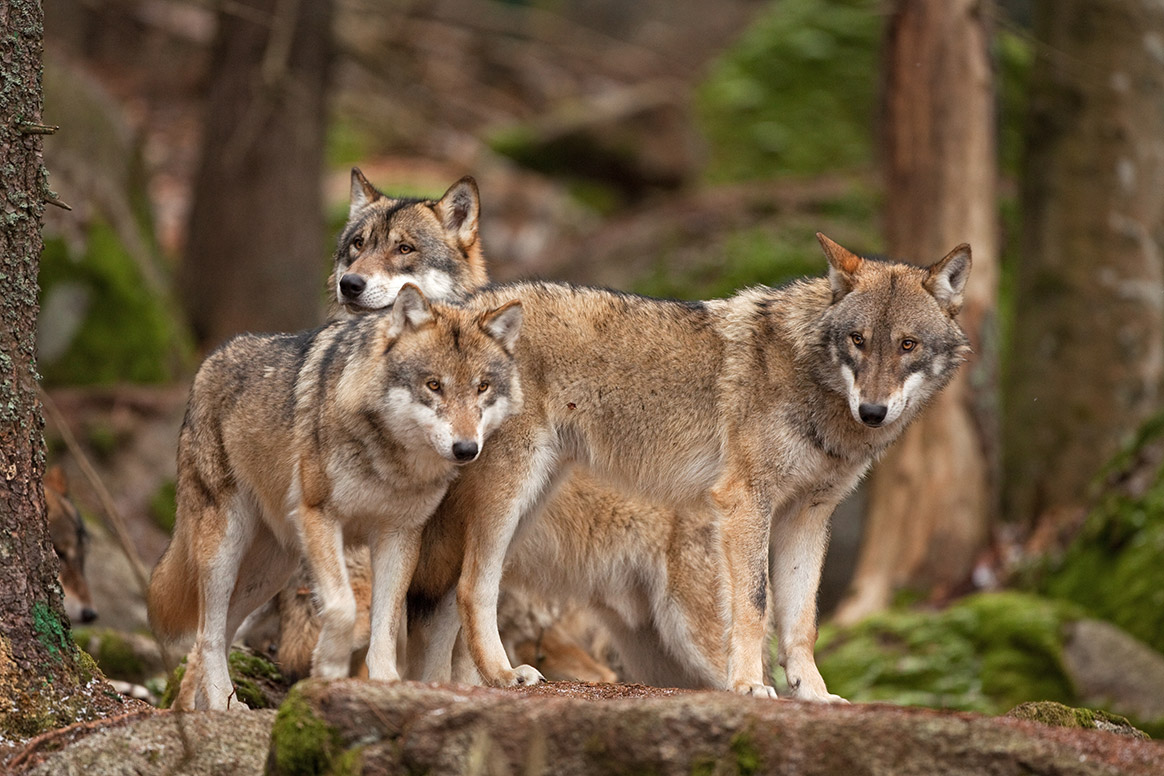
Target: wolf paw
523 676
756 690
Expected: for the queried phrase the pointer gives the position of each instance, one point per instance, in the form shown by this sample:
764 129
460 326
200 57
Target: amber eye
433 385
483 386
857 338
406 248
358 242
908 344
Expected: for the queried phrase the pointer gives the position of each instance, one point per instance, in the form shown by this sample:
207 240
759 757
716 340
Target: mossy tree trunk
257 253
1088 358
931 498
41 669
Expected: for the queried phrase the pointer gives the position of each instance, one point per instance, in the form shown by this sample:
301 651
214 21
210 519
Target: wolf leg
798 543
499 494
431 640
207 684
263 571
394 556
745 536
323 545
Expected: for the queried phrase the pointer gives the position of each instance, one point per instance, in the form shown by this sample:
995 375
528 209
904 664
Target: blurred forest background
1007 549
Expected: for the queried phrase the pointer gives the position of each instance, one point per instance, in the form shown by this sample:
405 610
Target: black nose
88 615
464 451
351 286
872 414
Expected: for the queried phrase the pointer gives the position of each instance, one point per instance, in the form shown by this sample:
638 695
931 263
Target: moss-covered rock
257 681
985 653
302 743
125 656
1061 715
1113 568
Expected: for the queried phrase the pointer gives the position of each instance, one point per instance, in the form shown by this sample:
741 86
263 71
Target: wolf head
891 331
451 375
71 542
390 241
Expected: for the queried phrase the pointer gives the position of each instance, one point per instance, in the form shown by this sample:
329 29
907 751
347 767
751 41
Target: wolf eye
433 385
858 338
483 386
908 344
406 248
358 242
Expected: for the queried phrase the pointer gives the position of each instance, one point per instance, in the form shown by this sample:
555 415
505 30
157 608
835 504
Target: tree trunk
1089 346
41 670
256 255
931 497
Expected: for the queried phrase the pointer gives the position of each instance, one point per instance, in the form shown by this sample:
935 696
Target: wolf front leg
798 542
745 536
498 493
323 547
394 556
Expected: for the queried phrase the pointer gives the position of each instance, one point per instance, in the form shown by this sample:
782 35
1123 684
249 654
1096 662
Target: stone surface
1115 670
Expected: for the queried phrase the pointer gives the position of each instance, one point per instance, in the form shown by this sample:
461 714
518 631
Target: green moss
985 653
747 758
51 629
796 93
1113 567
113 653
302 743
248 672
1060 715
122 332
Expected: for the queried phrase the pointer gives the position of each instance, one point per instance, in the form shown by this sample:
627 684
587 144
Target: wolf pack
668 466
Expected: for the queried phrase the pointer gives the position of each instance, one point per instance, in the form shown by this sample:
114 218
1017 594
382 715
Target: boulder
352 726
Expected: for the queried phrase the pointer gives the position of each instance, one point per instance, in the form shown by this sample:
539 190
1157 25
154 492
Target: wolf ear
946 280
843 265
363 192
459 209
55 478
504 324
410 310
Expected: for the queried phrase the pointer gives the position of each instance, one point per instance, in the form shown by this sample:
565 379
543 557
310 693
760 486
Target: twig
114 520
33 128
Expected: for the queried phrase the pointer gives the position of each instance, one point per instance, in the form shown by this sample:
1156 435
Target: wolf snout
352 285
465 451
88 615
872 414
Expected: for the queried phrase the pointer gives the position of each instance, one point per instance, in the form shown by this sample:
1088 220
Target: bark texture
257 253
931 497
41 669
1089 326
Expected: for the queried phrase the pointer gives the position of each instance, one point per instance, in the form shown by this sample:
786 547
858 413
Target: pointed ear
946 280
410 310
504 324
363 192
843 265
459 210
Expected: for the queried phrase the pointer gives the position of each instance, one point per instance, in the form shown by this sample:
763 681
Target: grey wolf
71 542
390 241
745 420
293 442
652 573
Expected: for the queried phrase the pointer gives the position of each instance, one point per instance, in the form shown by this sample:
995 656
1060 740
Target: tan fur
71 542
735 413
659 576
293 443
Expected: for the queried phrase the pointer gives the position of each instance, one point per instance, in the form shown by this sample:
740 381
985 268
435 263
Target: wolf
71 542
293 442
390 241
749 418
653 572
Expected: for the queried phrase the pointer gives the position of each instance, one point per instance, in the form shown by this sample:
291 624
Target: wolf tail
173 601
